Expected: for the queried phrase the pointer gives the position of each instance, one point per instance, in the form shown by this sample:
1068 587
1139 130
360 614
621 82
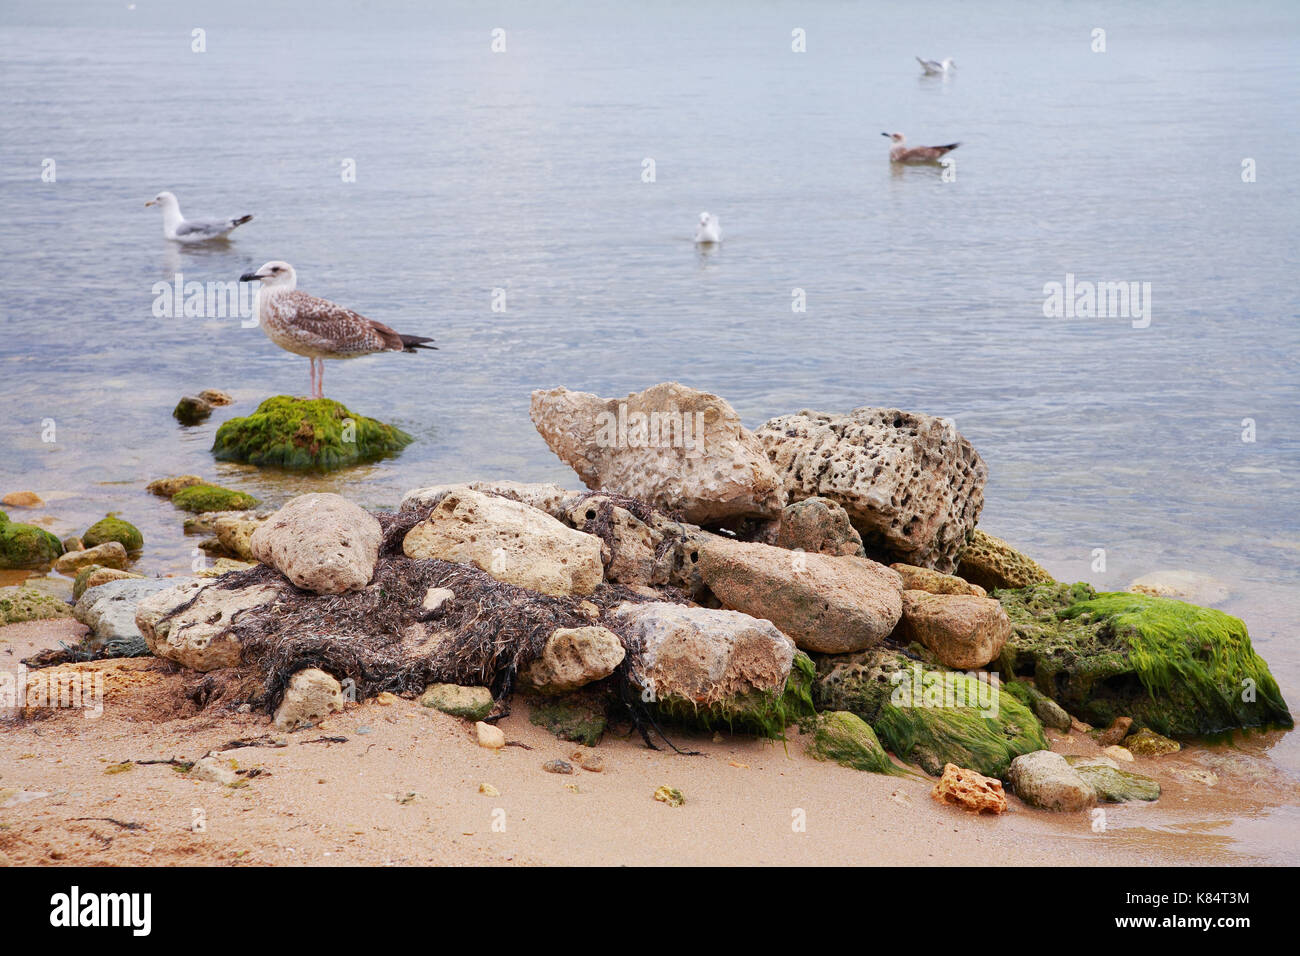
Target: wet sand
404 789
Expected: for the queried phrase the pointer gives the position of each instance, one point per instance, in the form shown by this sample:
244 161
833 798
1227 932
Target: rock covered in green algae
992 563
1114 785
25 545
20 604
930 715
306 435
113 528
472 703
849 740
1171 666
762 714
1045 709
1147 743
579 716
201 498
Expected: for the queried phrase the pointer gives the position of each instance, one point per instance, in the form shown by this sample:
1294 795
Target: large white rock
671 446
109 610
540 495
705 656
912 485
1046 780
200 636
321 542
510 541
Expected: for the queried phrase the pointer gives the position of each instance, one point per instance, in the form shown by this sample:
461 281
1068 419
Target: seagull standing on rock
709 229
179 229
900 153
317 328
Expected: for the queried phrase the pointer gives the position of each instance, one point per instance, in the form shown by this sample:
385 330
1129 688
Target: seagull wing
930 66
329 327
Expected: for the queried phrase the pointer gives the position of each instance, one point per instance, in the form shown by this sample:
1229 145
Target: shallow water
522 171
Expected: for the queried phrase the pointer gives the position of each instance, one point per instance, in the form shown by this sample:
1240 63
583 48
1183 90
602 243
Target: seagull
899 153
179 229
317 328
709 229
936 67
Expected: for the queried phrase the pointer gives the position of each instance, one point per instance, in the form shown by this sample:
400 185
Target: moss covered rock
1171 666
849 740
472 703
1114 785
306 435
579 716
199 498
992 563
25 545
113 528
764 715
930 715
20 604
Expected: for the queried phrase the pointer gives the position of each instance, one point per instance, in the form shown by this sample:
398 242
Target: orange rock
970 790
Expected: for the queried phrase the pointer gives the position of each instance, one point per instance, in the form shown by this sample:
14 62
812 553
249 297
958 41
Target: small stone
311 695
214 771
1148 743
191 410
471 703
1206 777
435 598
1052 714
670 795
113 528
1116 732
22 499
488 736
1122 754
574 657
166 487
488 790
73 543
214 396
970 790
1044 779
321 542
935 582
110 554
386 699
587 760
557 766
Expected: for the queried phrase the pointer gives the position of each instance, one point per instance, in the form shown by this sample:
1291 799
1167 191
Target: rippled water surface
522 171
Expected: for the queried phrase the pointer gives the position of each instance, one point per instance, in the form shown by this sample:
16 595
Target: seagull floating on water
317 328
709 229
179 229
936 67
900 153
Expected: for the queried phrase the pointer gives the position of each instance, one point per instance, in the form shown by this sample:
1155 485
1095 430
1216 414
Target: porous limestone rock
512 542
543 496
472 703
321 542
926 579
574 657
820 526
199 636
674 447
970 790
912 485
310 697
992 564
963 631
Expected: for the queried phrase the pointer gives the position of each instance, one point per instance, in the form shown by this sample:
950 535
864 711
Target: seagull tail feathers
949 148
412 342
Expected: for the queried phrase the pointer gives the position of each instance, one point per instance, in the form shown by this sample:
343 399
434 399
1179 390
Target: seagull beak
884 134
250 277
152 202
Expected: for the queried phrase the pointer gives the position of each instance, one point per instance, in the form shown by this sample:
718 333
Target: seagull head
274 274
704 218
165 199
948 64
897 138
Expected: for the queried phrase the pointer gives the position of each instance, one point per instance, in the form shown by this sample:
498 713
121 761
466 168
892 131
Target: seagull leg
311 379
320 380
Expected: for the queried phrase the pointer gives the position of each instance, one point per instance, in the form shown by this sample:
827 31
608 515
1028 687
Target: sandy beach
403 788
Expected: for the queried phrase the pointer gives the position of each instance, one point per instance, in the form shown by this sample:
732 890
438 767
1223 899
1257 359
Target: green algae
20 604
302 434
203 498
25 546
113 528
849 740
1171 666
580 717
759 713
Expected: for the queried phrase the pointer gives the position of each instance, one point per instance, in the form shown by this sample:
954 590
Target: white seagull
179 229
937 67
709 229
317 328
900 153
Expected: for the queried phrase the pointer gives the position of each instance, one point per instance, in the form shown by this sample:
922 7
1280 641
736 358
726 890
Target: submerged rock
826 604
1113 785
510 541
321 542
992 564
192 410
18 604
167 487
113 528
849 741
1190 586
25 546
201 498
1147 743
22 499
110 554
1044 779
927 715
1171 666
912 485
673 447
963 631
306 435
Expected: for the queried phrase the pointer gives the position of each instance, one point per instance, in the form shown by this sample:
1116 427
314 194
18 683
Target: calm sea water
522 171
